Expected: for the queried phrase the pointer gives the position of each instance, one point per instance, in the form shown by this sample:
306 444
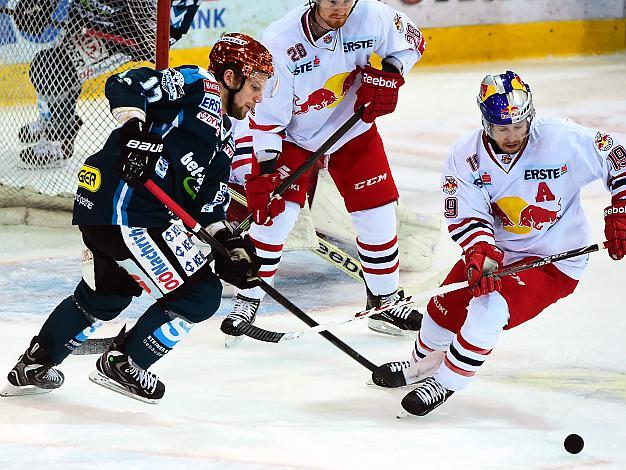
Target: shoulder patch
449 185
604 142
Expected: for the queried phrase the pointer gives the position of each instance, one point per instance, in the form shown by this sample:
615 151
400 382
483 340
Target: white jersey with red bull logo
528 204
318 79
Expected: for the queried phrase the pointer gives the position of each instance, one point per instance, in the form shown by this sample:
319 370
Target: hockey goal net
55 56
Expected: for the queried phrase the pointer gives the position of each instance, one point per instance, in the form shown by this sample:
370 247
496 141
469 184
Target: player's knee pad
376 225
487 316
282 224
96 306
53 73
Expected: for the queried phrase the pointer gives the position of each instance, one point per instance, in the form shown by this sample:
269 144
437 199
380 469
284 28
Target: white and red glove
260 203
480 259
380 89
615 229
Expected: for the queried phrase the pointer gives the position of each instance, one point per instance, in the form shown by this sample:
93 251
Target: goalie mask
504 99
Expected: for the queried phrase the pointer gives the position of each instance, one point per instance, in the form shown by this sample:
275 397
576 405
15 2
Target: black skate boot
426 397
34 373
116 371
244 309
391 374
31 132
401 373
399 321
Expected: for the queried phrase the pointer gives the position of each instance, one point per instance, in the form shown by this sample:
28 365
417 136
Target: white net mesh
55 56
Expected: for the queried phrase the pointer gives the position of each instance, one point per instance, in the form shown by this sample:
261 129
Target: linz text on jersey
544 173
356 45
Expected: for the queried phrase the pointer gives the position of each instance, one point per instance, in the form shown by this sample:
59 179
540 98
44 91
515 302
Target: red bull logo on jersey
604 142
517 216
329 96
449 185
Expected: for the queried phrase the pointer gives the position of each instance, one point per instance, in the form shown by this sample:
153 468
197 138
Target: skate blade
10 390
403 414
232 341
382 327
100 379
53 165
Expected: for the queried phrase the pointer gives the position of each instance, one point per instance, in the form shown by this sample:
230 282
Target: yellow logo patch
89 178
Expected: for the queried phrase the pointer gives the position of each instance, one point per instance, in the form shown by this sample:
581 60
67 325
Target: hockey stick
203 235
348 264
308 163
261 334
325 249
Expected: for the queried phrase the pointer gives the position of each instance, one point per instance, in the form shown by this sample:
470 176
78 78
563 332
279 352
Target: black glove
139 152
241 266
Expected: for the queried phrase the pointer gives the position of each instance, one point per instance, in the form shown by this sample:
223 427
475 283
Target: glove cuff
215 227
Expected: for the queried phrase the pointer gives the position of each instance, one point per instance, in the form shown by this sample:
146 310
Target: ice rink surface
305 404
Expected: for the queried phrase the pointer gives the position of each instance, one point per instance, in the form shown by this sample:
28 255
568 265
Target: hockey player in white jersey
322 53
512 193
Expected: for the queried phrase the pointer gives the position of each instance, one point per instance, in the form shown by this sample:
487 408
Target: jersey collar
504 160
328 41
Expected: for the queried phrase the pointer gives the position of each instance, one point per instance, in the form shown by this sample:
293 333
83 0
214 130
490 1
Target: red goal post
55 56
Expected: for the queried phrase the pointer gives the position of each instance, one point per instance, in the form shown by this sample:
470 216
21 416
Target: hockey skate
426 397
50 150
244 309
399 321
116 371
33 374
402 373
31 132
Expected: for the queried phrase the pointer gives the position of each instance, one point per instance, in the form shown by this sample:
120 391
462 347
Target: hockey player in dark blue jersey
176 132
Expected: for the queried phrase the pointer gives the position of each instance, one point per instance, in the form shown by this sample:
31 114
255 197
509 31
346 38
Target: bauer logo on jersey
89 178
449 185
604 142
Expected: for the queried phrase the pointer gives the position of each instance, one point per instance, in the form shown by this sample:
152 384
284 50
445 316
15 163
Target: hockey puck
573 443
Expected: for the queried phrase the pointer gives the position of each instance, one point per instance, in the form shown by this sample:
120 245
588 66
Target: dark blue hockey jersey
183 106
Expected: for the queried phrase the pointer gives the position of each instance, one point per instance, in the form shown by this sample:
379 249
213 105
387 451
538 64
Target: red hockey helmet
240 53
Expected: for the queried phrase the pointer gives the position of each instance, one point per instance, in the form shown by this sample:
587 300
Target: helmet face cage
504 99
242 54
